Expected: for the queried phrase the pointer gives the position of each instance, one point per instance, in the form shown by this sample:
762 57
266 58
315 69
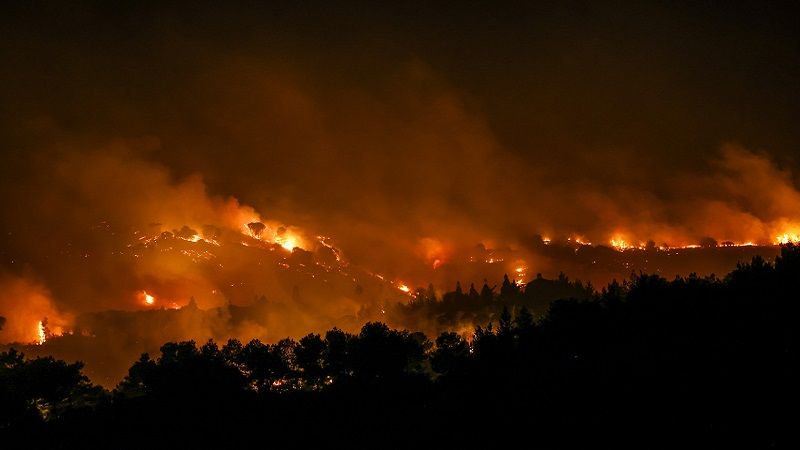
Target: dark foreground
693 362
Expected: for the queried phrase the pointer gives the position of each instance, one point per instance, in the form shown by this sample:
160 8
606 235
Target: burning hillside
160 241
256 280
308 215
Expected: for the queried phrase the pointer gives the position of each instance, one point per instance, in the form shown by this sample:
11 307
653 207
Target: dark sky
667 77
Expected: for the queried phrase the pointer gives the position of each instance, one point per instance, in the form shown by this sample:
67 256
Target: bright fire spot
404 288
520 269
581 241
273 234
41 336
288 243
437 263
787 238
546 240
619 243
148 299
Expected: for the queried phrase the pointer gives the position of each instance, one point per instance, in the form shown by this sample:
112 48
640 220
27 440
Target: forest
646 363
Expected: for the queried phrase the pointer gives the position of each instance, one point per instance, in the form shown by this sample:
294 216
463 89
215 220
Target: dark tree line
650 363
476 307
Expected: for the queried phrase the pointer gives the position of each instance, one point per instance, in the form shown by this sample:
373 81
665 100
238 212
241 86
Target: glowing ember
41 335
325 242
403 288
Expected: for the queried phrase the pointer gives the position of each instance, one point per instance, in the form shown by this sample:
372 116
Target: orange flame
148 299
42 336
792 237
619 243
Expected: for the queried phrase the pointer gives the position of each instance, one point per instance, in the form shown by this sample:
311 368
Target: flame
41 335
619 243
520 269
289 243
148 299
790 237
404 288
275 233
580 240
336 253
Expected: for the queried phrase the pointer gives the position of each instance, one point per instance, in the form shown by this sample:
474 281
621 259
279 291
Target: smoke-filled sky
405 131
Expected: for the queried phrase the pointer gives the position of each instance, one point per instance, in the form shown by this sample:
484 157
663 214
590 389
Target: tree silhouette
648 362
256 228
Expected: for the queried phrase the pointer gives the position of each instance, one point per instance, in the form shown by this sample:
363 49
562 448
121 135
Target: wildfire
620 244
148 299
325 242
289 243
197 238
788 238
280 235
580 240
404 288
41 335
519 271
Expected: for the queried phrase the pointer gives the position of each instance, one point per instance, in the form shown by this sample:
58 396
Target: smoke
410 164
738 195
410 161
143 177
29 305
404 173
